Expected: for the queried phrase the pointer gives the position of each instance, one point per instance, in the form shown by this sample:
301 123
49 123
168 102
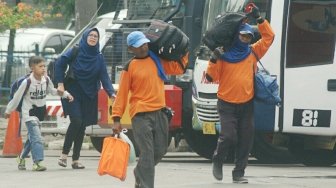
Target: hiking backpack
52 64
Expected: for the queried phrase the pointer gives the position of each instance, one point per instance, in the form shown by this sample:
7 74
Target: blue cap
246 29
136 39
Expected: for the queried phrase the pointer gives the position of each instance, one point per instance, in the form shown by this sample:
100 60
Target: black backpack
166 40
51 66
223 30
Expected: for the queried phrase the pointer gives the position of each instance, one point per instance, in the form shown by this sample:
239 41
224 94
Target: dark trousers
83 111
75 134
150 131
237 130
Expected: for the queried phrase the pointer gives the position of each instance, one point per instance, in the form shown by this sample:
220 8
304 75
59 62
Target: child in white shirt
33 110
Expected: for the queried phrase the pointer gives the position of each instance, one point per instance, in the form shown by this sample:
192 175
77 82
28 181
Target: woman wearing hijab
90 72
234 71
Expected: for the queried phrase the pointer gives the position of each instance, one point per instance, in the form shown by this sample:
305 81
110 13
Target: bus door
309 95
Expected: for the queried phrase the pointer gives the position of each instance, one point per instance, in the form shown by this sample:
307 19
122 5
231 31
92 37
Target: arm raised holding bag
234 72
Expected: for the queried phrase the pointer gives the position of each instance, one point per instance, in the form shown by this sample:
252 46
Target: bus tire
266 152
316 157
97 143
205 145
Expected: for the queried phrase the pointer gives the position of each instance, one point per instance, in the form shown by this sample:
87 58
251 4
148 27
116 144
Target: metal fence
18 65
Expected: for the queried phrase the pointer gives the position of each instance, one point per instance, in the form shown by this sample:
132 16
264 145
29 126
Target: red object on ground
13 140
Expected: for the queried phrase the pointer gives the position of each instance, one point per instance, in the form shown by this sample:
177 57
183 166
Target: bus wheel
311 157
204 145
271 148
97 143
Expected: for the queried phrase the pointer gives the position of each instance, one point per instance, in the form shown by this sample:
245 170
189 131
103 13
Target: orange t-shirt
144 85
236 79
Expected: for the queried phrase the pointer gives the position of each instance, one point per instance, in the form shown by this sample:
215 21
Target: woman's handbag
266 88
114 158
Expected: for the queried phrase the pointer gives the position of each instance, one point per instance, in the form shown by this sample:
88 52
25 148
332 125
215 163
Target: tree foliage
67 7
57 8
21 15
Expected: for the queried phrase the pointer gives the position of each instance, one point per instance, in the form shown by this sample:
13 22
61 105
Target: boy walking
33 91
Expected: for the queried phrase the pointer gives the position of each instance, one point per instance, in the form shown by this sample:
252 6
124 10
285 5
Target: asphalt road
177 170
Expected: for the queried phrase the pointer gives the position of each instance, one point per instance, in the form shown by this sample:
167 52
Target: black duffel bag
166 40
223 30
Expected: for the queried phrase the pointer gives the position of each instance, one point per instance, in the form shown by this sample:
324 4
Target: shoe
239 180
217 170
38 167
77 165
62 162
21 163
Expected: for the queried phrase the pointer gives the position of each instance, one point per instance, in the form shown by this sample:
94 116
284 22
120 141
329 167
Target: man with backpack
234 69
29 97
142 85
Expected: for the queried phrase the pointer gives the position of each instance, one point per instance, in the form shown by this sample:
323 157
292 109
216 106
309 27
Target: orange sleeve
119 104
213 70
174 67
267 37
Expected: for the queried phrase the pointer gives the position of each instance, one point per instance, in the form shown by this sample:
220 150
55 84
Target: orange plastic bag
114 158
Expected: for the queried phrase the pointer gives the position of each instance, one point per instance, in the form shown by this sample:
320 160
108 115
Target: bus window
311 33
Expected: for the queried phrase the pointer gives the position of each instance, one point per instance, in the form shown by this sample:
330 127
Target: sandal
77 165
62 162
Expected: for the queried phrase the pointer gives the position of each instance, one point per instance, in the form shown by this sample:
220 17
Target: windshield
23 41
216 7
99 23
149 9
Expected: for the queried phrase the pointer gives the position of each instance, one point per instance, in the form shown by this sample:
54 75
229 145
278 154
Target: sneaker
62 162
21 163
239 180
217 170
77 165
38 167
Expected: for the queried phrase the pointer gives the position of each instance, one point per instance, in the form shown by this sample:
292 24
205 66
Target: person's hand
116 128
113 96
6 115
254 11
70 98
216 54
60 89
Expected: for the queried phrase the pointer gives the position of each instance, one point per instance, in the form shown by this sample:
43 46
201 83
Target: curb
58 145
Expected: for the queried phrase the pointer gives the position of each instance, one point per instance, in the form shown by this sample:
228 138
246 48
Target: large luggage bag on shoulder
166 40
223 30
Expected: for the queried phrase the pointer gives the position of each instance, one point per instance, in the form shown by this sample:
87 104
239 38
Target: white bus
303 59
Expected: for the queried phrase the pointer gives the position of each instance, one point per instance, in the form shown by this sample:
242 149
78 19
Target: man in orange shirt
143 79
233 69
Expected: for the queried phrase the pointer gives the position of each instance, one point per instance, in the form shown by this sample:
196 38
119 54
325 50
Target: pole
84 10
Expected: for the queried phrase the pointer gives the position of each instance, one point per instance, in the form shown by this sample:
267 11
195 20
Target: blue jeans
34 142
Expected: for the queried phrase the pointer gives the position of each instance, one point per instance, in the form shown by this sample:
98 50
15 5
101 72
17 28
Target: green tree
22 15
12 18
64 8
